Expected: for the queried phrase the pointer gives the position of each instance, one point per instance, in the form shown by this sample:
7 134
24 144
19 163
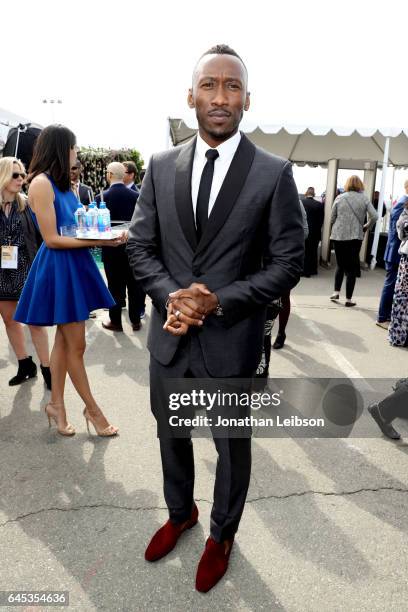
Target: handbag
403 250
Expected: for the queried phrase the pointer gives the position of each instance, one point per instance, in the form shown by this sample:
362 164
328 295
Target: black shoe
280 341
385 427
46 372
26 369
112 326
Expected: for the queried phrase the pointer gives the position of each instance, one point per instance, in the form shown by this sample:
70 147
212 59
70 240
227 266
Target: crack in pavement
84 507
329 493
249 501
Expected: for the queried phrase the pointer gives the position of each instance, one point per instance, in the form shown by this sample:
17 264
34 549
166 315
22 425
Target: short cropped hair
354 183
117 170
221 50
131 167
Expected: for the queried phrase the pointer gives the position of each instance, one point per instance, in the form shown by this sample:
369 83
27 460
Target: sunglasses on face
73 168
15 175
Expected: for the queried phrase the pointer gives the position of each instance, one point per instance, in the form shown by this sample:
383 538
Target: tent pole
17 141
369 185
331 188
378 225
392 186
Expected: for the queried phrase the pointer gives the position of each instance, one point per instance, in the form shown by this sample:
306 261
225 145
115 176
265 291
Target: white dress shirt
226 152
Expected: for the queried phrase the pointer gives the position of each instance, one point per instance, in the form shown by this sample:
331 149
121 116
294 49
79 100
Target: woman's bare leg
39 337
74 336
58 367
14 329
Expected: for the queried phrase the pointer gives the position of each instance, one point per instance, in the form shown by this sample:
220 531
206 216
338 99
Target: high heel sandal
68 430
108 432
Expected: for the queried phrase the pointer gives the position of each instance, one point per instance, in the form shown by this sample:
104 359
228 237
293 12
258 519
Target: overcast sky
122 68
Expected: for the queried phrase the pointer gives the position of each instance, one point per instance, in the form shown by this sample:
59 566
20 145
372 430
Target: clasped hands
189 307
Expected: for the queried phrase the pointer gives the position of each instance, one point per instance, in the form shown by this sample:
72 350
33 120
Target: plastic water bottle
80 220
104 221
92 220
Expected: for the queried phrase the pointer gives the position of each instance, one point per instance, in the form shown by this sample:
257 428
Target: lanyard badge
9 257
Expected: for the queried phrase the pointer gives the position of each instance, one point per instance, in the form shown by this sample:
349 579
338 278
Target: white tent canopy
315 145
9 120
335 147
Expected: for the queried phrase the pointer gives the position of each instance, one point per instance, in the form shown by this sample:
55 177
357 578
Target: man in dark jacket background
315 216
121 203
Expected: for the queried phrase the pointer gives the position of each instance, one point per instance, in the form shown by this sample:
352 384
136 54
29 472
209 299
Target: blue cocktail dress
63 285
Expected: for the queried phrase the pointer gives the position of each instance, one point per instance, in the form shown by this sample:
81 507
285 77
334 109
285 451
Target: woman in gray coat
348 223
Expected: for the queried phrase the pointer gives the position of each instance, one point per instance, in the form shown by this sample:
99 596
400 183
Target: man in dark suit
83 192
391 262
315 217
121 203
130 176
217 234
129 179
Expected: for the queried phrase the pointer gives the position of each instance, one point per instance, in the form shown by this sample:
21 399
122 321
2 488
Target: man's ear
190 99
247 101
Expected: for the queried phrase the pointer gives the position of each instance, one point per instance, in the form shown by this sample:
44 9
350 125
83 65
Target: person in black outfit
393 406
129 179
315 216
121 203
17 229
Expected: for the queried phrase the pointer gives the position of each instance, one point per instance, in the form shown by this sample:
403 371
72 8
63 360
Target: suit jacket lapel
229 192
184 203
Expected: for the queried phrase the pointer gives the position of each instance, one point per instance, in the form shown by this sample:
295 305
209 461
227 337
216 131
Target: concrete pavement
324 527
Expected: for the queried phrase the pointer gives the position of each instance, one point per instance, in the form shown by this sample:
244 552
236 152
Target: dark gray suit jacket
251 251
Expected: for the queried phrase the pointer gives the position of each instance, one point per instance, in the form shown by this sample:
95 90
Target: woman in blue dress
64 283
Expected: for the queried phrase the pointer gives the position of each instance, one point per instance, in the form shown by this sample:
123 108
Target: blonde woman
348 222
19 243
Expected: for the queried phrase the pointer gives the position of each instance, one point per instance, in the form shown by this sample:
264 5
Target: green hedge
95 161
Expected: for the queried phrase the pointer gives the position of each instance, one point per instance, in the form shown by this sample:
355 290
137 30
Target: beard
220 133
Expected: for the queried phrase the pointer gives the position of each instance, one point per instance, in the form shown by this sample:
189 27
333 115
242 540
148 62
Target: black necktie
204 191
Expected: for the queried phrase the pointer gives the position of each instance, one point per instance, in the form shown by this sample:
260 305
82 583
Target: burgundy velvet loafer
213 564
165 539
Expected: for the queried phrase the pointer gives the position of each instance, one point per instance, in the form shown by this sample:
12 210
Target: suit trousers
120 279
233 469
311 259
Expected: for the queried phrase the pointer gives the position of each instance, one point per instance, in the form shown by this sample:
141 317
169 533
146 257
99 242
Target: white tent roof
315 145
9 120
